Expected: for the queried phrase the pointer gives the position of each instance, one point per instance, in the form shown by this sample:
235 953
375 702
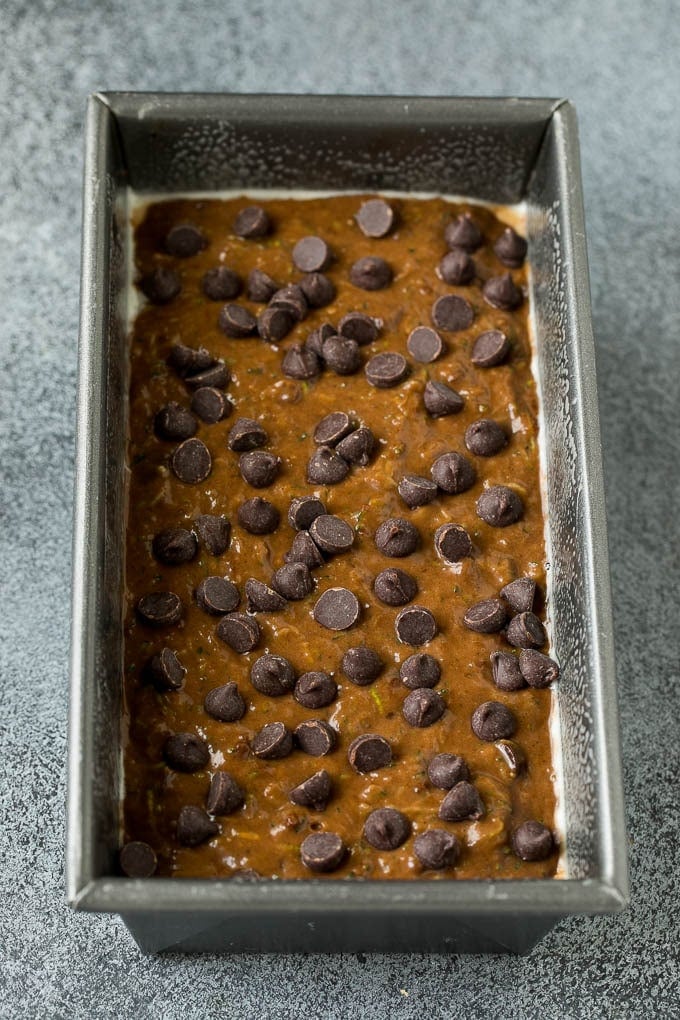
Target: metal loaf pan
502 150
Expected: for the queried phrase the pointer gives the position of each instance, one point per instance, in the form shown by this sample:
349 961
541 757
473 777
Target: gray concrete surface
617 60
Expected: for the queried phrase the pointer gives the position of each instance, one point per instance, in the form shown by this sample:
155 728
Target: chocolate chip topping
214 532
440 400
237 322
174 546
251 222
453 473
537 669
420 670
246 434
272 675
300 363
259 468
446 770
369 752
293 581
452 313
397 537
185 752
216 375
318 289
456 268
239 631
260 287
436 849
490 348
386 370
499 506
191 462
315 689
512 756
334 427
273 324
160 608
485 437
174 422
258 517
415 625
326 467
272 742
423 707
371 273
137 860
323 851
452 543
417 491
424 344
462 802
532 841
187 360
375 217
221 284
493 721
315 737
303 550
360 327
520 594
314 792
502 292
526 631
463 233
361 665
395 587
292 297
225 795
260 598
318 337
337 609
341 355
312 254
225 703
161 285
505 671
331 534
358 448
486 617
386 829
510 248
217 595
165 671
210 405
194 826
303 510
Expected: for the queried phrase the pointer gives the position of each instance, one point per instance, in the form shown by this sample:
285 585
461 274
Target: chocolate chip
318 337
315 689
272 675
194 826
252 222
221 284
386 829
314 792
424 344
210 404
501 292
505 671
415 625
490 348
260 598
386 369
452 543
272 742
137 860
237 322
493 721
420 670
485 437
510 248
446 770
520 594
226 704
361 665
512 756
185 752
300 363
239 631
160 608
304 550
395 587
273 324
165 671
217 376
462 802
499 506
486 617
187 360
463 233
537 669
225 795
341 355
217 595
337 609
174 422
532 841
246 434
453 473
417 491
397 537
359 447
293 581
315 737
259 468
258 517
318 289
526 631
440 400
334 427
326 467
323 851
260 287
303 510
161 285
436 849
369 752
371 273
312 254
452 313
214 532
456 268
292 298
423 707
174 546
375 218
360 327
191 462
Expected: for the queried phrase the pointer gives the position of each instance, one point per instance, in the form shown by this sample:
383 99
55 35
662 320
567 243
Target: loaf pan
500 150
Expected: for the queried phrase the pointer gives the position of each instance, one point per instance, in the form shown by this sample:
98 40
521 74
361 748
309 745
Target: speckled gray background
615 59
